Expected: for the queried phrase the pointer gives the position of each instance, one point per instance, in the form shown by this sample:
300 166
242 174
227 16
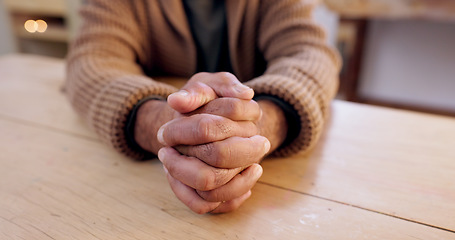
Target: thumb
191 97
205 87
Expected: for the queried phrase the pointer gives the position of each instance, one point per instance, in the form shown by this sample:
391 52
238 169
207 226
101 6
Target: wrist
151 115
272 124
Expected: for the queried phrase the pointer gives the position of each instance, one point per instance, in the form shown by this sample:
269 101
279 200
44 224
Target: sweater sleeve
302 70
104 79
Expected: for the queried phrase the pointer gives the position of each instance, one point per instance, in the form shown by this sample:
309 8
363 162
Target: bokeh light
30 26
41 26
33 26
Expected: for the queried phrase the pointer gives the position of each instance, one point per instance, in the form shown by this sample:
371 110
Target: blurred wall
410 62
7 44
329 21
74 20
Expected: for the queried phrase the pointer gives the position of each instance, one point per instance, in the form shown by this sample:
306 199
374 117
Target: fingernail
182 93
267 146
240 88
248 194
160 135
161 155
257 171
260 115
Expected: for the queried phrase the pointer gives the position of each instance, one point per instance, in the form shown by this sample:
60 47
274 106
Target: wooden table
377 173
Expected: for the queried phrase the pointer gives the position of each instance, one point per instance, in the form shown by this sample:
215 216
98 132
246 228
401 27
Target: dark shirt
208 25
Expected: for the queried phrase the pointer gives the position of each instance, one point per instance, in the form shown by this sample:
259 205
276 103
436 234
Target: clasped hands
208 136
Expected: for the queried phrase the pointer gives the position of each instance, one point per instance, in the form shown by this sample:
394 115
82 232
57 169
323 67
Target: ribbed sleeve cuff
113 105
303 96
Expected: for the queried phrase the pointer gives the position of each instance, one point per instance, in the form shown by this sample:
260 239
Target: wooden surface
395 9
376 174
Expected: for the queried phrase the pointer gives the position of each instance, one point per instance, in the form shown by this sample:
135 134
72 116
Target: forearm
105 79
108 101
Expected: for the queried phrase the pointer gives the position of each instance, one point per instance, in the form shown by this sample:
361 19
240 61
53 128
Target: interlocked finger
193 172
229 153
203 128
239 185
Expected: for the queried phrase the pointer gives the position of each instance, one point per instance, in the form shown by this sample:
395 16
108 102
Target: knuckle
250 129
213 196
217 174
195 207
234 107
211 178
198 76
223 128
213 154
205 129
206 180
226 77
210 128
206 151
222 155
213 106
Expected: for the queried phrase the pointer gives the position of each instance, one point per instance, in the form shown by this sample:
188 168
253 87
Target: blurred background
397 53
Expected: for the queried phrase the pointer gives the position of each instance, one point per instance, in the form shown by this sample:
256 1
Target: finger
191 97
203 128
189 197
193 172
235 188
226 85
204 87
232 108
231 205
229 153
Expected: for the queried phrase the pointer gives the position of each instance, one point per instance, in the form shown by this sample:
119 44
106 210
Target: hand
216 93
236 190
213 168
205 93
201 89
216 149
223 156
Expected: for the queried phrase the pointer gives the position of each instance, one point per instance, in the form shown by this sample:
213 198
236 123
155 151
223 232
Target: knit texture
123 44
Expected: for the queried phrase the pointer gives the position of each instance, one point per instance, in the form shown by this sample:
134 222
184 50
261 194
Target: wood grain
31 90
392 161
60 186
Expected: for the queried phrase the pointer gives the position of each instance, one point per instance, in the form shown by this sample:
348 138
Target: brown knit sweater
124 43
